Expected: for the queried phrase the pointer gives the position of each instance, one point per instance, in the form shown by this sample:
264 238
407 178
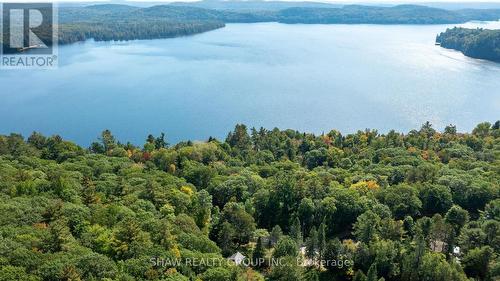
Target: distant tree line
356 14
477 43
349 14
121 31
122 22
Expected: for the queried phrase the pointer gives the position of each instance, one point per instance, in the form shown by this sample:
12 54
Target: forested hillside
250 5
423 205
476 43
121 22
403 14
140 29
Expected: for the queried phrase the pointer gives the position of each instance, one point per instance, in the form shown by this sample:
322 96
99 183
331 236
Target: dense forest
122 22
476 43
122 31
402 14
424 205
255 5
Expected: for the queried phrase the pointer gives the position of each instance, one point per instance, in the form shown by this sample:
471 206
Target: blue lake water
307 77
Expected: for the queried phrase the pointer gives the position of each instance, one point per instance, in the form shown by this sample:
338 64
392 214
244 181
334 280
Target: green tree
457 218
286 246
360 276
296 232
372 273
435 199
242 222
108 140
239 138
321 239
482 130
9 273
476 262
225 239
275 235
367 226
259 254
286 270
312 244
216 274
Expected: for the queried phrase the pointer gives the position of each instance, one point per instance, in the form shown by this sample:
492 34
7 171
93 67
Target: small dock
29 48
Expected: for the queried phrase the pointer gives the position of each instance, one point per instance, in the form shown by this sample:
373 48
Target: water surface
307 77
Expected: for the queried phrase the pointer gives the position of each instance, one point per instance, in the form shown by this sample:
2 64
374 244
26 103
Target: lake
311 78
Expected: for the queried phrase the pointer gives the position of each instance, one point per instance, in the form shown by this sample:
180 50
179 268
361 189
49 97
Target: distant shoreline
114 22
474 43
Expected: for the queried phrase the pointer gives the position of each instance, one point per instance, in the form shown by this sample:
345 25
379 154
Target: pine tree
160 141
108 140
225 239
311 275
275 235
258 254
372 273
360 276
321 239
89 191
71 274
295 231
312 244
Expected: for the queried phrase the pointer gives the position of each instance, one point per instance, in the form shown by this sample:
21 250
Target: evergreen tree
275 235
295 231
321 240
312 244
108 140
160 142
311 275
259 254
360 276
372 273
